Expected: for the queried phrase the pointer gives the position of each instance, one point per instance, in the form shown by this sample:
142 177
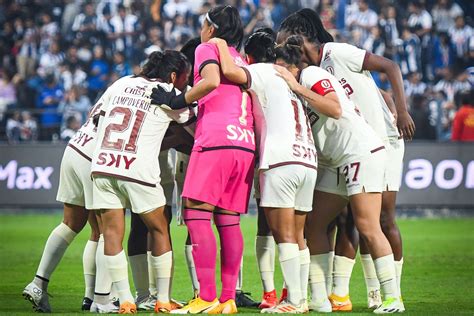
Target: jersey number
351 172
131 145
298 128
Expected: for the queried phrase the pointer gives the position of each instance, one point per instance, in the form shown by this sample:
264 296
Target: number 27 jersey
131 131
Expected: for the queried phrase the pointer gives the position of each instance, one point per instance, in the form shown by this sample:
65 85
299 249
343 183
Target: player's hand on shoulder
167 99
282 72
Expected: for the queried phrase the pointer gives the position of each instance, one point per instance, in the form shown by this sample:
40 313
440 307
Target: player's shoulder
314 71
206 47
333 48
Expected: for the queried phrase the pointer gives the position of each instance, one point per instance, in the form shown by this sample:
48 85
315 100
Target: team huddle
299 119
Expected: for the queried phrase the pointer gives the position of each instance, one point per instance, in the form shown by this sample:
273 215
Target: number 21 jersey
131 131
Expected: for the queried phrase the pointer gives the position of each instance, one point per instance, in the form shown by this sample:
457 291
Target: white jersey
130 134
345 62
283 131
84 141
338 141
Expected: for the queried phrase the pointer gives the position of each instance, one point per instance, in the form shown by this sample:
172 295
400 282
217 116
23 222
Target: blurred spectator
463 123
278 12
410 53
361 21
7 93
13 128
444 12
443 54
72 126
414 85
261 19
48 100
419 20
121 66
48 32
421 116
28 51
85 24
29 127
50 61
98 73
460 35
180 32
388 24
124 28
374 42
175 7
327 13
75 104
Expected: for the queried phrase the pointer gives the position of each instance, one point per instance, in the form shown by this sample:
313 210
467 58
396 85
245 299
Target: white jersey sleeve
351 55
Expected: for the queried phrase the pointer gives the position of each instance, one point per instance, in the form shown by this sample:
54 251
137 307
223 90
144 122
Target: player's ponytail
227 24
306 22
261 46
161 65
291 50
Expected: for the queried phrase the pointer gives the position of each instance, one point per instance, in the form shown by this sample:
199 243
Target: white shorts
394 166
167 176
75 183
364 175
182 161
113 193
289 186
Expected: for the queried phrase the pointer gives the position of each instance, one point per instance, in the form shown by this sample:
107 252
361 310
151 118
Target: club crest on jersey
240 134
330 69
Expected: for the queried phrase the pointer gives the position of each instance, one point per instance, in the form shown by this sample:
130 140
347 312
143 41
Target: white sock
265 252
54 250
385 268
289 256
188 252
329 273
240 278
103 283
371 280
139 266
342 275
88 265
319 268
398 272
163 266
304 271
151 275
118 270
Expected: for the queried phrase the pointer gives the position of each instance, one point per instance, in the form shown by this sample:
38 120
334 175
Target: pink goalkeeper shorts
220 177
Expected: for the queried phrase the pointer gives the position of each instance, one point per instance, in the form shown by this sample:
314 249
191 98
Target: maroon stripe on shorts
292 163
79 152
377 149
124 178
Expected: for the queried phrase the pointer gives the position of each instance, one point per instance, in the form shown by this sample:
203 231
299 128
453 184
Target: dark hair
228 20
161 65
261 46
188 50
306 22
267 30
291 50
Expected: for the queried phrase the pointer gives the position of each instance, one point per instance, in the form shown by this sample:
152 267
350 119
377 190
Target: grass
438 274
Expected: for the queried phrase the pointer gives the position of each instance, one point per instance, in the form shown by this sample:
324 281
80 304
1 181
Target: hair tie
208 18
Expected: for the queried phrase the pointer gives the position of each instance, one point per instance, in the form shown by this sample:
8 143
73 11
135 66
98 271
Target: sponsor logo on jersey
240 134
81 138
300 151
26 178
115 160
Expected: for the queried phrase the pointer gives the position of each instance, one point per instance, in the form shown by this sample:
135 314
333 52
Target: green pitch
438 272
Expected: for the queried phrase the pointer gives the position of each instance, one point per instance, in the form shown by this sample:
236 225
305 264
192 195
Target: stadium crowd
56 57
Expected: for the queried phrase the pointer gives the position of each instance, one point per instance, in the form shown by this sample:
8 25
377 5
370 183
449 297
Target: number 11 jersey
131 131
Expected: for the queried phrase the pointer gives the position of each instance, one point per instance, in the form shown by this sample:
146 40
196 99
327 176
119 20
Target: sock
54 250
240 277
304 271
329 274
139 266
398 273
163 266
319 268
204 251
151 276
232 247
371 281
88 265
342 275
265 252
118 270
385 268
289 257
103 283
188 252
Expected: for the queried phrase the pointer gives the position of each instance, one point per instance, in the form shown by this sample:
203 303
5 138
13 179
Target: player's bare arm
389 101
327 105
230 70
405 123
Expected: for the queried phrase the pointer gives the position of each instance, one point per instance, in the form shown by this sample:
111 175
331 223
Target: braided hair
306 22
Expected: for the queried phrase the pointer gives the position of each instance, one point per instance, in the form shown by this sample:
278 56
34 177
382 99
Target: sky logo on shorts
240 134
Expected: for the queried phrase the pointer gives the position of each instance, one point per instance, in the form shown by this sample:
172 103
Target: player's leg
114 229
88 262
326 207
265 253
137 256
188 253
103 299
347 242
75 218
332 230
305 257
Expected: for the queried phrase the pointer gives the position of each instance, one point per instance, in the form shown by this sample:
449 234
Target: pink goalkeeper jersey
225 118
